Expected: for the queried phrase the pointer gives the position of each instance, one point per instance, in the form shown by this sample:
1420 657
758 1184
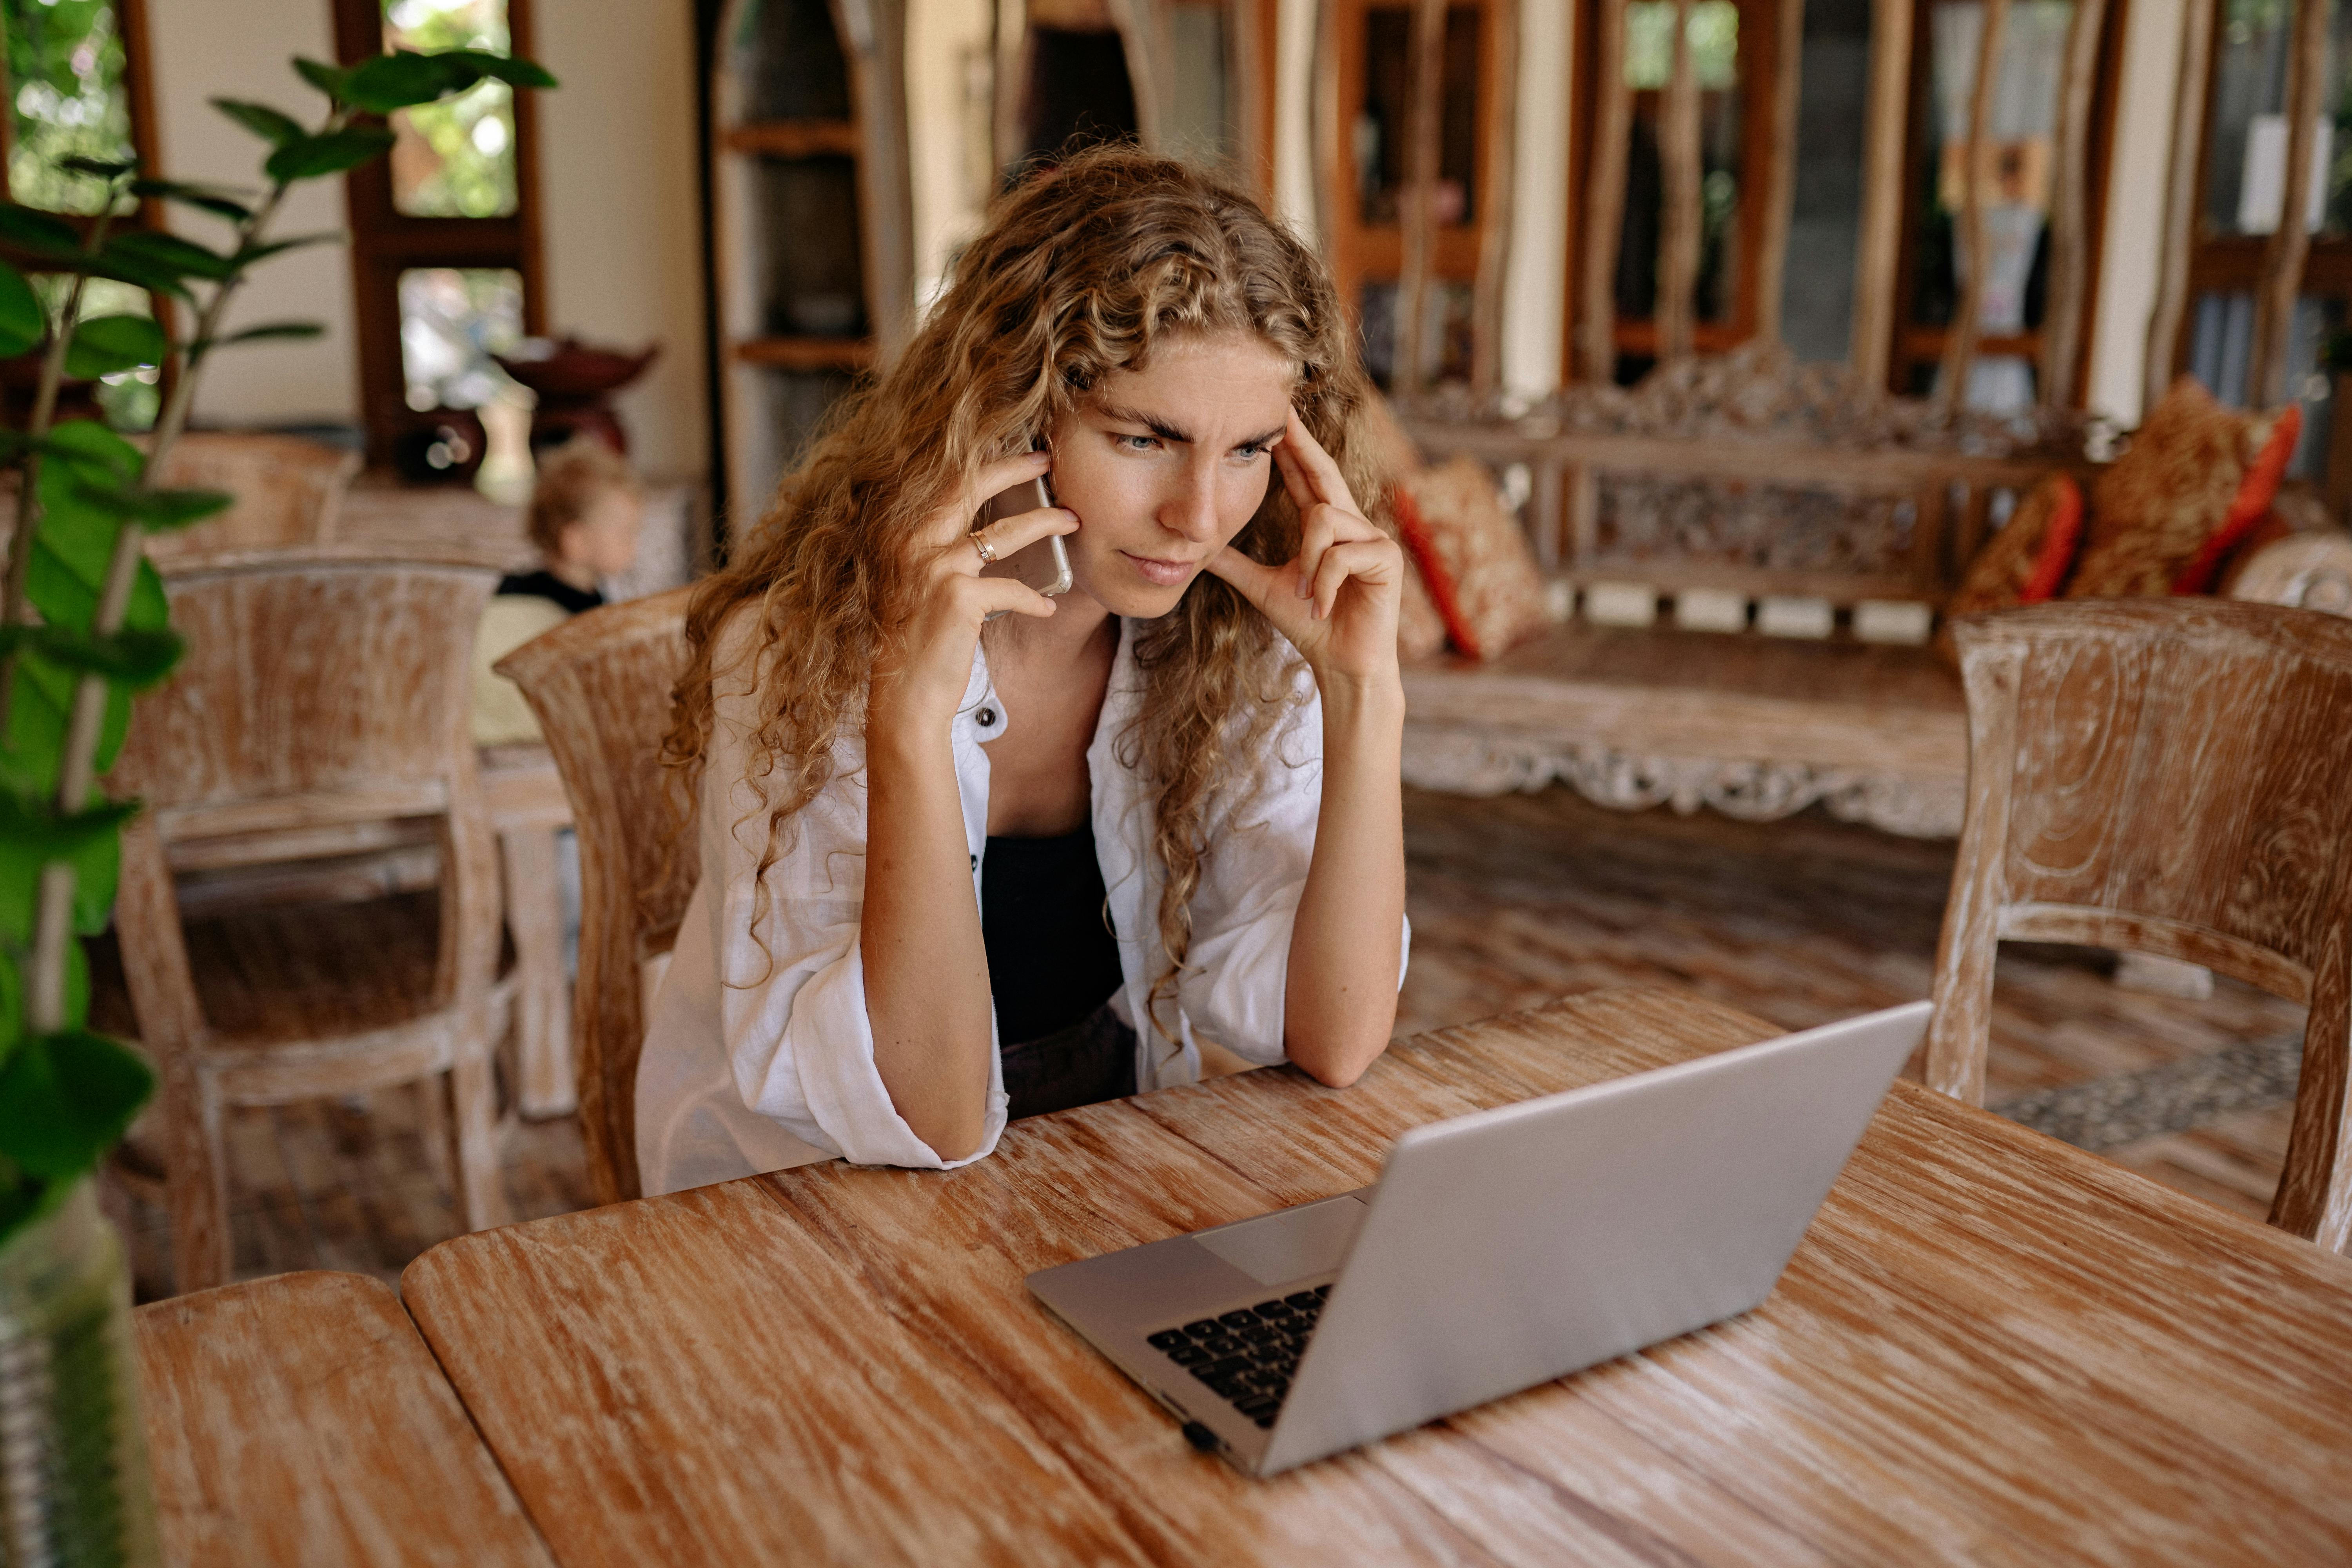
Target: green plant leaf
183 257
104 344
327 78
271 125
328 154
135 658
403 78
211 198
33 826
96 168
67 1098
36 734
98 872
267 329
43 234
93 454
253 253
23 322
156 510
12 1004
511 69
137 272
30 837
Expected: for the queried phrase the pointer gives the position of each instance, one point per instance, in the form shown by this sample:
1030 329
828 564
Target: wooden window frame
2232 263
384 242
1363 253
1638 337
1912 344
1905 340
138 87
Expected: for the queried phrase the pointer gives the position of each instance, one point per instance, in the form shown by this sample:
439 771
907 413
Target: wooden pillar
1678 244
2283 258
2181 201
1495 202
873 33
1143 40
1881 249
1012 84
2070 217
1426 103
1961 338
1604 207
1780 169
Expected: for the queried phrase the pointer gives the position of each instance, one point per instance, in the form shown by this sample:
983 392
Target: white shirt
776 1068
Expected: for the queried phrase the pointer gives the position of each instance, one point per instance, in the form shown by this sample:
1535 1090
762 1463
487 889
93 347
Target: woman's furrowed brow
1151 422
1167 432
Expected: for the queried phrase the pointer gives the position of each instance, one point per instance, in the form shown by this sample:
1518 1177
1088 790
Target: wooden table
1990 1349
300 1420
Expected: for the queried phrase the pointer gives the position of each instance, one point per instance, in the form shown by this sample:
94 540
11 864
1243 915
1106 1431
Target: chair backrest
319 691
600 685
2171 776
287 492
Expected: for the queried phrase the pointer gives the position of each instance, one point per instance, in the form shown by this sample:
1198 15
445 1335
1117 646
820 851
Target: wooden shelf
794 138
805 353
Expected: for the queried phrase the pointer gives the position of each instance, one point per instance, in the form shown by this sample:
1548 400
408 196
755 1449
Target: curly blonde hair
1082 271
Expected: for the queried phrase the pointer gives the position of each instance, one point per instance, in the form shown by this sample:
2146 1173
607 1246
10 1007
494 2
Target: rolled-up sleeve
1247 901
792 975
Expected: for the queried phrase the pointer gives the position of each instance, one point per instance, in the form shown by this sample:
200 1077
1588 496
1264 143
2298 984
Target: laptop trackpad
1277 1248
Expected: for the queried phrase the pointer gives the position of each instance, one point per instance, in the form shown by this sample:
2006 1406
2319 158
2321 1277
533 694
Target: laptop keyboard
1248 1355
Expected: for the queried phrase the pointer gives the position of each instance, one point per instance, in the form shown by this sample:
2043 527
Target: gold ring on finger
987 554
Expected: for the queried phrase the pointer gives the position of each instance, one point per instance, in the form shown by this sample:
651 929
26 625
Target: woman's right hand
923 681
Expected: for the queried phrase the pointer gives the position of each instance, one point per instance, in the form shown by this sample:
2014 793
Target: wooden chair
320 692
600 685
289 491
2170 777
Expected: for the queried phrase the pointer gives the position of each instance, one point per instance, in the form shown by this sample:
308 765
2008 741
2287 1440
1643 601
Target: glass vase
74 1487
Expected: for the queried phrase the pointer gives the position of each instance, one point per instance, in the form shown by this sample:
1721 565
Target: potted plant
83 625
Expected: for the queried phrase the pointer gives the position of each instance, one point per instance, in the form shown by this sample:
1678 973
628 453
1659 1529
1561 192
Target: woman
951 874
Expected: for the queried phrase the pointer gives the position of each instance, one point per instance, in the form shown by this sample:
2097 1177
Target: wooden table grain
1990 1349
299 1421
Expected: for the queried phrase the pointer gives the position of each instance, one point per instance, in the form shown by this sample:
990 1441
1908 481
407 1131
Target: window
1375 45
1738 51
1731 51
2242 178
2016 174
76 86
445 233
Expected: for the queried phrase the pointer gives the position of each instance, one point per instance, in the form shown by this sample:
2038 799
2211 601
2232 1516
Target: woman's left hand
1337 602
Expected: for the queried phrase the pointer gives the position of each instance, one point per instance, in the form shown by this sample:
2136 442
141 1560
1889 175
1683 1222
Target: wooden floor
1514 901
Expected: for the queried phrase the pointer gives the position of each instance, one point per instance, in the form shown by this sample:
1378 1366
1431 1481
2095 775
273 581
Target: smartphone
1044 565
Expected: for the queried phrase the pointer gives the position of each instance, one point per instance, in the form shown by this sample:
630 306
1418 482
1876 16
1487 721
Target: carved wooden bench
1744 495
1759 495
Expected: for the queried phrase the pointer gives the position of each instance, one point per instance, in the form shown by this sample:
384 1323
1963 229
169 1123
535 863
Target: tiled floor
1514 901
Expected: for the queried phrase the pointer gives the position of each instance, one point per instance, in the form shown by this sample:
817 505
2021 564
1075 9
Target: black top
548 586
1051 959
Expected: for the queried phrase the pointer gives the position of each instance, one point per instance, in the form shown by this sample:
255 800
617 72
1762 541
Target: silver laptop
1498 1250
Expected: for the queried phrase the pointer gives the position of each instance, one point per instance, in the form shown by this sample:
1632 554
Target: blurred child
585 513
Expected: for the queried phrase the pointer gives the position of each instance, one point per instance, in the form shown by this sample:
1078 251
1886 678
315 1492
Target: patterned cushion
2153 509
1421 630
2251 505
1473 555
2024 561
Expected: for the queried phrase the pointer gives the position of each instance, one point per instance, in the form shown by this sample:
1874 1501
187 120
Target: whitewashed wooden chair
322 694
600 685
2174 777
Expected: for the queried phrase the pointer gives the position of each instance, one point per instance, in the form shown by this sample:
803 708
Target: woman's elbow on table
1336 1063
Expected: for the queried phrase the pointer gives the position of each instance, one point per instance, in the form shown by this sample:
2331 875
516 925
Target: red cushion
1433 575
2253 503
2062 540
